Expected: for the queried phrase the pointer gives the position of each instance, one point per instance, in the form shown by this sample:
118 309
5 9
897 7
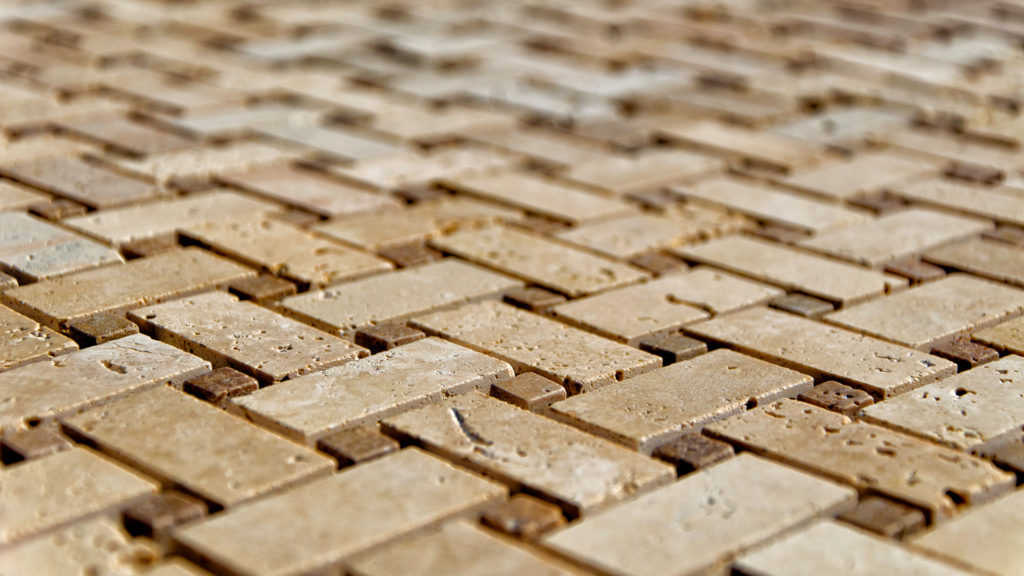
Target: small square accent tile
915 270
523 517
57 209
837 397
533 298
262 288
802 304
966 354
223 383
658 263
529 391
407 255
32 443
885 517
381 337
158 514
101 328
357 445
673 347
693 452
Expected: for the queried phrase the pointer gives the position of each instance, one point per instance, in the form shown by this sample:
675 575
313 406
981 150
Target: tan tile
39 147
987 538
309 190
544 147
578 359
157 219
792 269
369 389
825 351
578 471
864 174
47 493
344 514
186 442
396 295
962 411
17 197
895 236
701 522
264 344
630 236
1002 204
457 548
23 340
828 547
553 265
768 205
329 141
866 456
659 406
948 146
762 150
43 390
205 161
1006 337
648 170
538 195
993 260
126 136
934 312
80 181
285 250
416 223
389 172
137 283
32 249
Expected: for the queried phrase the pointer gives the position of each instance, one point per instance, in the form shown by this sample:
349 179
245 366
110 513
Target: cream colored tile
992 260
23 340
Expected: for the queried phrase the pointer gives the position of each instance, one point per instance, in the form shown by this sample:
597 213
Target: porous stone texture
1002 204
863 174
23 340
993 260
31 249
80 181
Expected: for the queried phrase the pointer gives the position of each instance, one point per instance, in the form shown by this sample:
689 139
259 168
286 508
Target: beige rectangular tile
457 548
934 312
264 344
369 389
631 313
396 295
23 340
895 236
940 145
992 260
44 390
700 523
186 442
769 205
792 269
163 218
540 196
285 250
529 342
999 203
416 223
546 147
579 472
389 172
630 236
39 147
825 351
47 493
344 514
81 181
309 190
1006 337
866 456
17 197
763 150
828 547
32 249
647 171
206 161
126 136
329 141
863 174
137 283
551 264
986 539
652 409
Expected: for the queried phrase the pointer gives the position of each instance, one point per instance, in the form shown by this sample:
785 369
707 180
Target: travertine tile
396 295
869 457
139 282
864 174
46 493
163 218
792 269
343 514
388 172
186 442
16 197
987 538
939 145
44 390
532 343
692 452
837 397
523 516
1005 337
824 351
630 236
885 517
285 250
415 223
100 328
32 249
632 313
770 205
309 190
935 312
80 181
1002 204
895 236
701 522
264 344
357 445
381 337
23 340
540 196
553 265
659 406
977 406
828 547
529 391
579 472
457 548
126 136
206 161
751 149
993 260
645 171
331 142
966 354
158 514
369 389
